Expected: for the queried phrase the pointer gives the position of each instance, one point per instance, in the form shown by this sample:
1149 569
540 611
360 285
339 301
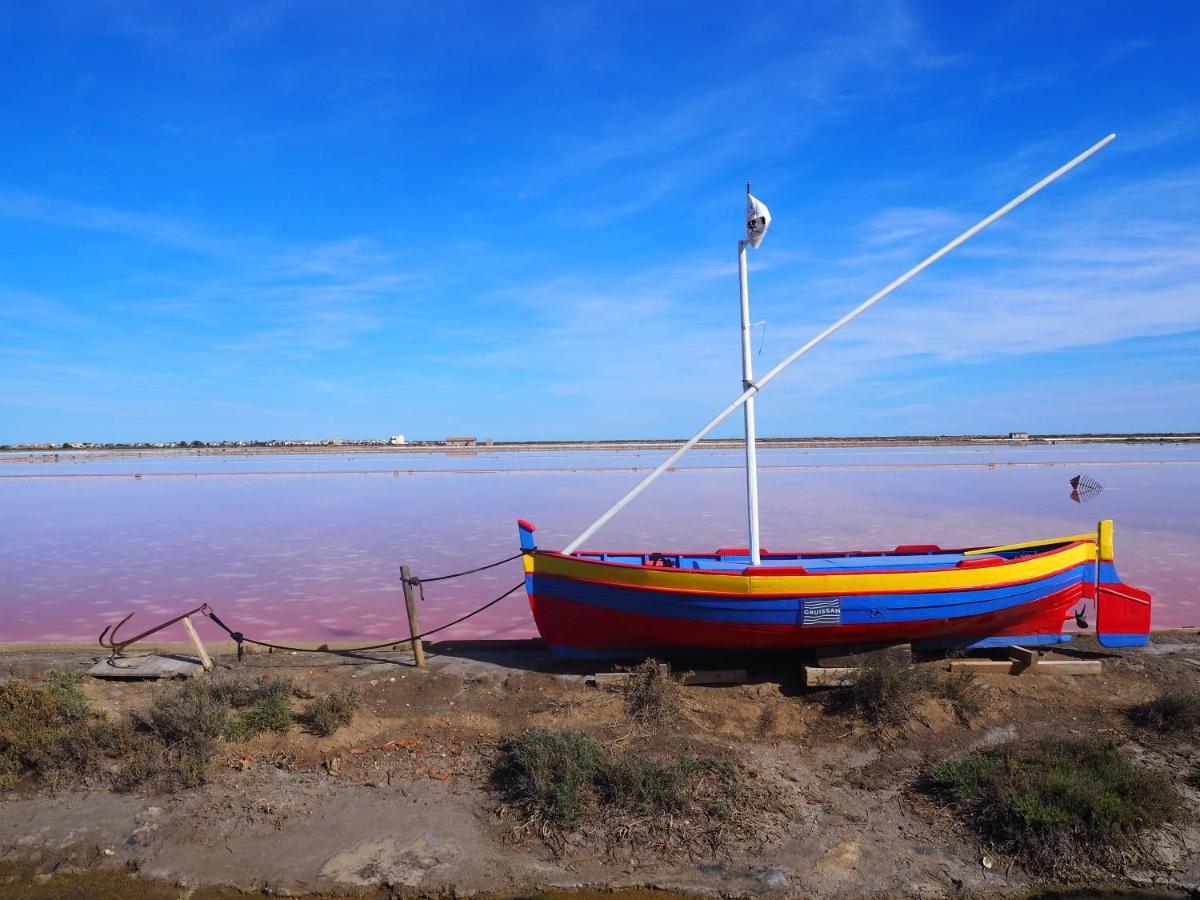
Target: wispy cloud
24 206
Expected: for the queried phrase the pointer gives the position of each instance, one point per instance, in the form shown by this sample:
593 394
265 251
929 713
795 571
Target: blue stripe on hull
867 609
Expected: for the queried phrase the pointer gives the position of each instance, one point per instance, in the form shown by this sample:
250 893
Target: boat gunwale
790 572
783 594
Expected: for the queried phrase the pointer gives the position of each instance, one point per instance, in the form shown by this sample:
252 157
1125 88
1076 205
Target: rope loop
414 580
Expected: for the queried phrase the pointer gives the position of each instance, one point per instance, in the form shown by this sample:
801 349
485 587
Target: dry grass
653 695
49 735
178 736
1173 710
563 786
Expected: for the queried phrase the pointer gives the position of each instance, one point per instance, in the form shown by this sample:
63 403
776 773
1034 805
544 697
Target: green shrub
1170 711
325 715
1058 805
268 714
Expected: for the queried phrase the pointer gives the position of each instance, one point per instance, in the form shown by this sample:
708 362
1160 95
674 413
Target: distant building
461 441
1018 435
396 440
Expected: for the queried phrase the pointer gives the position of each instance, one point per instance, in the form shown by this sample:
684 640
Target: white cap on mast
758 219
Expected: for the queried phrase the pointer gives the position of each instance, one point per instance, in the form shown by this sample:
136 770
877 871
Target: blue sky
256 220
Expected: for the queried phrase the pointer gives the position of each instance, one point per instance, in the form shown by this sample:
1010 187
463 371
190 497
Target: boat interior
921 556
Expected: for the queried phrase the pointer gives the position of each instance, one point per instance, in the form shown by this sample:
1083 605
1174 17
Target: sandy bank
406 804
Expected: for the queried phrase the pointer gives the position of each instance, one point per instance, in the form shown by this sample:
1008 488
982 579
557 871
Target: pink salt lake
308 546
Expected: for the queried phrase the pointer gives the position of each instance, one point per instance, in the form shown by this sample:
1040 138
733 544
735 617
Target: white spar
858 310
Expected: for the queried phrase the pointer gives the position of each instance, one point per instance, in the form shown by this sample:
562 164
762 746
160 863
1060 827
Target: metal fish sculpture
1084 488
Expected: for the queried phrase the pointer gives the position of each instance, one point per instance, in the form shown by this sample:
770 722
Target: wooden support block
200 651
830 676
1024 656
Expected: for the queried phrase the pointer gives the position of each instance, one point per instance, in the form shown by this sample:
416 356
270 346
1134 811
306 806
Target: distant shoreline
41 451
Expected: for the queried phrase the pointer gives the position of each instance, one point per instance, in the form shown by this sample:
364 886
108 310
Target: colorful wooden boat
632 604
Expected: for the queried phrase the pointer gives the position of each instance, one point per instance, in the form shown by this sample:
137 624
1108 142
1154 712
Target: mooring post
413 627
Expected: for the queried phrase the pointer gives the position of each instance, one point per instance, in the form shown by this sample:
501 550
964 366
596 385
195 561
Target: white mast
750 391
758 219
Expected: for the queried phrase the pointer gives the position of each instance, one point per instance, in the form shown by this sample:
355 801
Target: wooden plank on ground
1015 667
605 679
983 666
153 666
716 676
830 676
1070 667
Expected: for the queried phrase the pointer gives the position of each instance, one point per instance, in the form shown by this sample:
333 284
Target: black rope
413 579
241 638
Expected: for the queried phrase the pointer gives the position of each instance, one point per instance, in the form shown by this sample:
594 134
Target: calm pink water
309 547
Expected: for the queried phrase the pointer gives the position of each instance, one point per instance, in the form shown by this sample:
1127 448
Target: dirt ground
398 802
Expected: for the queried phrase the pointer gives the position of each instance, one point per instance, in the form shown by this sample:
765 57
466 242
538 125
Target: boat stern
1122 611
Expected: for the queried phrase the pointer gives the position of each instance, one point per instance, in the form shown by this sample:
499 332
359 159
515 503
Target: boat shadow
710 668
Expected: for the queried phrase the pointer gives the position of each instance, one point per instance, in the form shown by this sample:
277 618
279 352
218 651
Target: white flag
758 220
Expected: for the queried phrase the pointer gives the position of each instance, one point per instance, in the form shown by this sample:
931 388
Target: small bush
1170 711
653 696
178 736
887 691
562 781
1062 805
325 715
49 731
551 774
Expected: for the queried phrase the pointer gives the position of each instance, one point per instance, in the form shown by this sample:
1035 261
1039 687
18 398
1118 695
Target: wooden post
413 627
191 630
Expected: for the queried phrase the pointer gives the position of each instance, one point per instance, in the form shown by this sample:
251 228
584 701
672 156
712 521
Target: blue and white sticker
823 611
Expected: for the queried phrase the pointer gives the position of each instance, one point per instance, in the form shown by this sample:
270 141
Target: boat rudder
1122 611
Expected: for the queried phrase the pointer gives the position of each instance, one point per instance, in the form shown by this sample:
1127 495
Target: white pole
861 308
748 409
